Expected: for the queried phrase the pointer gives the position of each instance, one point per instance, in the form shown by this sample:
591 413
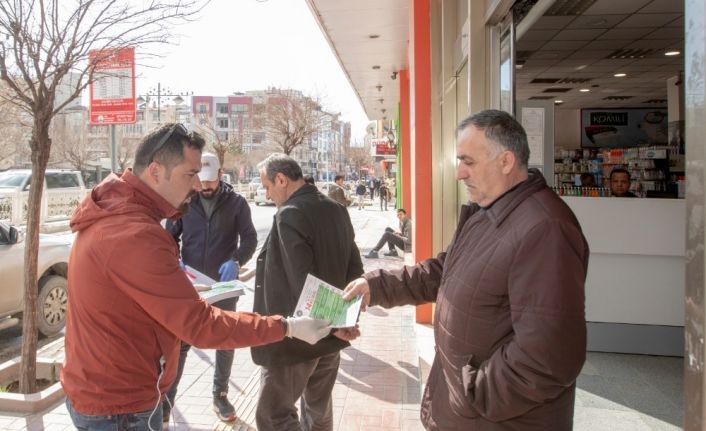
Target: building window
239 107
222 123
203 108
222 108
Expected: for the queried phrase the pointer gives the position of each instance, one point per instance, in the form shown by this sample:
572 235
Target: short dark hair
500 128
280 163
171 153
337 177
402 210
619 171
309 179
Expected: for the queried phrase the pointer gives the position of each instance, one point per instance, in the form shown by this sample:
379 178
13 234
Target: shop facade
646 286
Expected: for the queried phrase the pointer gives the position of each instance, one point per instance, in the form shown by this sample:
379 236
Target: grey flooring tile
593 419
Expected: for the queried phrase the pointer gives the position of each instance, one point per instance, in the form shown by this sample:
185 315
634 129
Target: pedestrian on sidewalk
337 192
384 195
401 239
509 290
217 237
311 234
360 194
130 303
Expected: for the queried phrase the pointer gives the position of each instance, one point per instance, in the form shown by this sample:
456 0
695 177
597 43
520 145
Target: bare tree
221 142
291 119
15 125
43 42
358 157
69 135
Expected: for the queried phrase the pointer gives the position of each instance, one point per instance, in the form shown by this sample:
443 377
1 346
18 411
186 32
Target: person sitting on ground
588 180
401 239
620 183
337 193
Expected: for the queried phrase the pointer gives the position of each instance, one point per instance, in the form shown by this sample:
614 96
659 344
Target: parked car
54 179
261 197
52 267
63 190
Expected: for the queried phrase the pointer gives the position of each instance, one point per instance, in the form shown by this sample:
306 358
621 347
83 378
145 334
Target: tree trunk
40 145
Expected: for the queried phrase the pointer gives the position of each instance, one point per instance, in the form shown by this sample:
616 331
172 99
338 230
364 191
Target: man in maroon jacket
129 302
509 326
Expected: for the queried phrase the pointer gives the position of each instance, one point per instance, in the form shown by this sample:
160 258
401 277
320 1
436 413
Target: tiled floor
381 376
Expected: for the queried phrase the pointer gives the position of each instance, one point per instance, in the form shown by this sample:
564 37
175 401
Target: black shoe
223 408
372 254
391 253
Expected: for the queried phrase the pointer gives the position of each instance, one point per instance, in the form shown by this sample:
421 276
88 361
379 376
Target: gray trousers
280 387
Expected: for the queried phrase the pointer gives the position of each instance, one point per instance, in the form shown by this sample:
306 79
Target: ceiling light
373 36
672 53
519 66
585 90
558 102
581 67
376 67
620 75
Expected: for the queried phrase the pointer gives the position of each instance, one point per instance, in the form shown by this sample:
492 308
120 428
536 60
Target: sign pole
113 150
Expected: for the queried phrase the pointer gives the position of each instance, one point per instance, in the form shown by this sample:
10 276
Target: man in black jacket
311 234
217 237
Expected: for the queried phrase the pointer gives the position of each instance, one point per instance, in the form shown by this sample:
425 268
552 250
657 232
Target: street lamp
158 94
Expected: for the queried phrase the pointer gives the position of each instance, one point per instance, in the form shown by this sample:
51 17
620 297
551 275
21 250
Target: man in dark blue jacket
217 237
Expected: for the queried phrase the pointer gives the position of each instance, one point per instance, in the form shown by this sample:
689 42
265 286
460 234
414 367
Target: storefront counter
635 284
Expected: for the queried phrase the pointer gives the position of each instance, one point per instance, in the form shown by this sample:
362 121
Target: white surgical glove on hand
307 329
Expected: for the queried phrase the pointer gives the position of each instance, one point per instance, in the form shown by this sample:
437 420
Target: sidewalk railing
57 205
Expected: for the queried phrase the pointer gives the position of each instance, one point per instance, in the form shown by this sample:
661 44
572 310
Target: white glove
307 329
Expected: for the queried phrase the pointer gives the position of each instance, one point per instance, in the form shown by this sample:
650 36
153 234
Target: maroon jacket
129 304
510 327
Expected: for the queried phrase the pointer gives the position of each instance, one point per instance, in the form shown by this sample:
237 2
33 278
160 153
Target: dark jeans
392 239
224 360
280 387
122 422
383 198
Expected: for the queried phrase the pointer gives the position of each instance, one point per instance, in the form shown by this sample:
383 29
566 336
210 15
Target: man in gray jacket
509 327
311 234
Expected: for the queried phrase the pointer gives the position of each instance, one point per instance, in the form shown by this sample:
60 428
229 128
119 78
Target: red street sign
383 147
112 99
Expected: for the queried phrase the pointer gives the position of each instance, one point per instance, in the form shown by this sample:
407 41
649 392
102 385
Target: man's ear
507 161
154 171
281 178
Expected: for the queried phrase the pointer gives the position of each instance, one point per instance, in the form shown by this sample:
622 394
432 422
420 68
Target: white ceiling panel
641 20
542 35
662 6
607 7
564 45
606 44
552 22
596 21
624 33
667 33
530 45
583 34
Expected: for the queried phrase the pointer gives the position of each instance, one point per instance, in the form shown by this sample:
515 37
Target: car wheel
51 304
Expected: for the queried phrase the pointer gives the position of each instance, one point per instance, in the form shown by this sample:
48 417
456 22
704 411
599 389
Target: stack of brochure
212 290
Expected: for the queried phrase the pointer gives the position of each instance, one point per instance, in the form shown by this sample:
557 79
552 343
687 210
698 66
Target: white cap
209 167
